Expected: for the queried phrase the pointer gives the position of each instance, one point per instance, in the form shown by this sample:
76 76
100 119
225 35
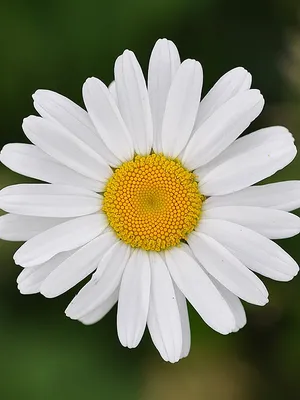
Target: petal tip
68 312
46 292
38 93
17 260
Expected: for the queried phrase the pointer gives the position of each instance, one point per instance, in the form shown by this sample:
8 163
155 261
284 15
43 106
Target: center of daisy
152 202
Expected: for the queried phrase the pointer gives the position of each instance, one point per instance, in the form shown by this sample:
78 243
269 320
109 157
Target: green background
57 45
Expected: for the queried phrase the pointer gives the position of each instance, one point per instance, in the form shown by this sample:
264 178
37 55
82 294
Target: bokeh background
57 45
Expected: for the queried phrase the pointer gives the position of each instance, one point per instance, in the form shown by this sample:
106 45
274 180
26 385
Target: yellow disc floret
152 202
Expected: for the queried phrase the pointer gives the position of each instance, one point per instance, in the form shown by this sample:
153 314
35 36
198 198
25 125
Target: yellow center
152 202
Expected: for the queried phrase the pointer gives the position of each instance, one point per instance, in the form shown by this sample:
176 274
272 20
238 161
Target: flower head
150 190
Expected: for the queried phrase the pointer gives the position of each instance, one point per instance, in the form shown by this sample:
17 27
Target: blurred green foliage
57 45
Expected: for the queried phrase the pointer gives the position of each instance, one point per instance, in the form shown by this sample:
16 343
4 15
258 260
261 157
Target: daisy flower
150 190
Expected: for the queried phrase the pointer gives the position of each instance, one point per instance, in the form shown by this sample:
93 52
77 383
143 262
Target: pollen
152 202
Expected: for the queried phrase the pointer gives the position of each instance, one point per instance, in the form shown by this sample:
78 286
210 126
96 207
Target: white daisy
150 190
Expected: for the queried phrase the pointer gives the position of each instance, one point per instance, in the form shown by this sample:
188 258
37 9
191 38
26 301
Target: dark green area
57 45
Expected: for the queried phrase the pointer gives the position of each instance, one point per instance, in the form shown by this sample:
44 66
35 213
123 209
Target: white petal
164 63
113 91
77 267
185 322
229 85
60 144
133 101
60 109
235 305
164 321
274 224
99 312
107 118
222 128
227 269
21 227
281 196
254 250
103 283
30 279
63 237
46 200
29 160
250 159
181 107
199 290
133 302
